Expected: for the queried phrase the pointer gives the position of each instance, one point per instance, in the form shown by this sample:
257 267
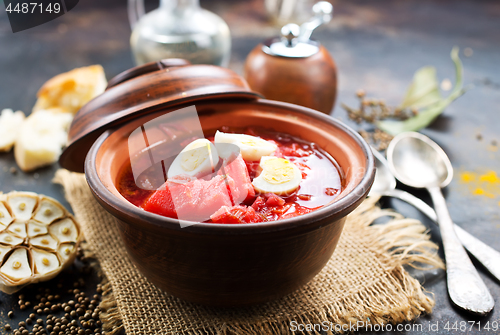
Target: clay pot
218 264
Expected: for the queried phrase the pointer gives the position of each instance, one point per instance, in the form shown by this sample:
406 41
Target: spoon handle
465 287
486 255
413 200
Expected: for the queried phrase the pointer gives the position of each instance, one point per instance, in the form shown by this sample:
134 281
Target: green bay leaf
429 106
423 90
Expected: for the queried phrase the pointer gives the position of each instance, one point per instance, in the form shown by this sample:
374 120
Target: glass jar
178 29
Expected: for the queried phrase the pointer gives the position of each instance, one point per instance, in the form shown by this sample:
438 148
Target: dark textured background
377 46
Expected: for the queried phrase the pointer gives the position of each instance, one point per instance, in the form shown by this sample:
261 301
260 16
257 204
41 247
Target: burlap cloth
364 281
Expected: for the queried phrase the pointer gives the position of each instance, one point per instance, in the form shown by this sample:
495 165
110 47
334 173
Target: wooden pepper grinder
293 68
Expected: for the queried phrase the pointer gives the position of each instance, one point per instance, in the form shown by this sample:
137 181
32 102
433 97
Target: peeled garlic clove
22 204
64 230
18 229
36 229
3 251
45 262
44 241
5 217
10 239
17 266
48 211
66 250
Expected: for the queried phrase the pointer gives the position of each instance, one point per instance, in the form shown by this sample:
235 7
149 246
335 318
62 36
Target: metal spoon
419 162
385 185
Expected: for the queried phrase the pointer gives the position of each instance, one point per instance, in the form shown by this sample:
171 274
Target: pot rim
338 209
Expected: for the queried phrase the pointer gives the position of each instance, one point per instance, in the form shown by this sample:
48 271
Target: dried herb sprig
423 95
373 110
378 139
421 105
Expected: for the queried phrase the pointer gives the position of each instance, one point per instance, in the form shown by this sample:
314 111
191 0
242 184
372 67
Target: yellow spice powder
486 184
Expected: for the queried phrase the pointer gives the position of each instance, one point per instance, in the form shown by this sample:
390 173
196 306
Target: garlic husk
47 240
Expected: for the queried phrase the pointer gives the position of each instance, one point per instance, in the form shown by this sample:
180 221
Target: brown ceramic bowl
235 264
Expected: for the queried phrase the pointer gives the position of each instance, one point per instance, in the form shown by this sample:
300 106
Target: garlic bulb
38 238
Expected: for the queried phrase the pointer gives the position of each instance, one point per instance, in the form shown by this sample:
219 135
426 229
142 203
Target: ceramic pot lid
145 89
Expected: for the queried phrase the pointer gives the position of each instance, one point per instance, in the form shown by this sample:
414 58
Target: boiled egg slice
197 158
252 148
278 176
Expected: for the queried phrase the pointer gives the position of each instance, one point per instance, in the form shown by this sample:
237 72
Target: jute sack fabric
364 281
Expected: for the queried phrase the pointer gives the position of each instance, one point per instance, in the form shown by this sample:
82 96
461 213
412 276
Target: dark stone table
377 46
